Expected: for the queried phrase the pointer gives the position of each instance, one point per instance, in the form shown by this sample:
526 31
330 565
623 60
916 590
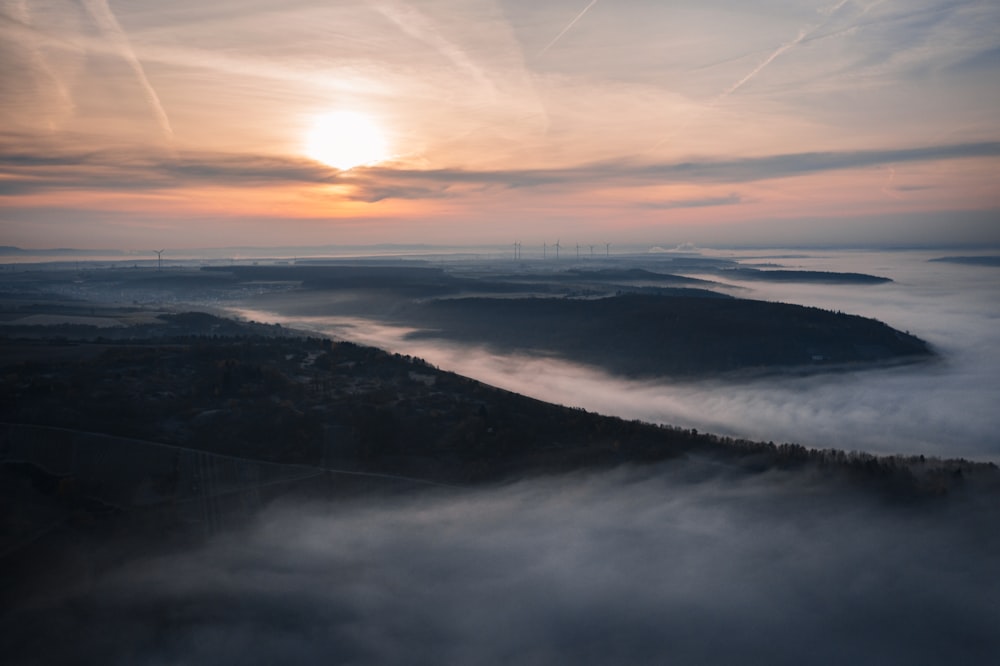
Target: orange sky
188 125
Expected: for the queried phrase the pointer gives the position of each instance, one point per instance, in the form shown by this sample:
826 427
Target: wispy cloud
749 169
101 12
414 23
124 171
64 101
728 200
28 171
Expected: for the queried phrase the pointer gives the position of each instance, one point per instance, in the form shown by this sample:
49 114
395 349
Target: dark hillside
643 335
828 277
310 401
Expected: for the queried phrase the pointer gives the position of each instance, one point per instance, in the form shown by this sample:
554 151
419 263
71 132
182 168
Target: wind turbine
159 258
578 252
607 249
557 249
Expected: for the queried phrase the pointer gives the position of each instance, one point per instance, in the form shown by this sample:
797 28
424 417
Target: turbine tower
607 249
557 249
578 252
159 258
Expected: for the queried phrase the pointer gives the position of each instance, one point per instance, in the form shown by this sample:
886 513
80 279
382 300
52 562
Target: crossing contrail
566 29
101 12
767 61
803 33
417 25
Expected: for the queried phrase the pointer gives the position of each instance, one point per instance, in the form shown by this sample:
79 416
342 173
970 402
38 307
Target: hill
685 335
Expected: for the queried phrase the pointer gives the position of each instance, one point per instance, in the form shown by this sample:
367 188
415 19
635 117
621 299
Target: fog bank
944 408
663 564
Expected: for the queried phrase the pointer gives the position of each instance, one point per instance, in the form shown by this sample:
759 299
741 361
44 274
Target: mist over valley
191 488
684 562
939 405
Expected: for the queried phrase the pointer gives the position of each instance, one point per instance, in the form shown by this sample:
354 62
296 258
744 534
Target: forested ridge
657 335
114 448
308 400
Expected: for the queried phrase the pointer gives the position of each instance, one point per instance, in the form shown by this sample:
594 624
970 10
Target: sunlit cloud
139 170
728 200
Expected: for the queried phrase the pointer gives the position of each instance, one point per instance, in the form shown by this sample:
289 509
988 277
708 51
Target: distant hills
630 321
684 336
10 250
973 260
802 276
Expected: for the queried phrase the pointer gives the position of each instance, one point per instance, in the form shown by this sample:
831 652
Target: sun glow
346 139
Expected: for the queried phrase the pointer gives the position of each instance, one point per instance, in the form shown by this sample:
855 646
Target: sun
346 139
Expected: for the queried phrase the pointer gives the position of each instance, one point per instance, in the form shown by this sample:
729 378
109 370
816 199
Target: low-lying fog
945 408
654 565
679 563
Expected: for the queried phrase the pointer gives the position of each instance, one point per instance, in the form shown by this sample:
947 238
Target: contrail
414 23
803 33
756 70
566 29
105 19
23 15
833 9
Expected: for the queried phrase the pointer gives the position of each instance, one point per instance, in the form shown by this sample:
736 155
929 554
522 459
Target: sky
131 125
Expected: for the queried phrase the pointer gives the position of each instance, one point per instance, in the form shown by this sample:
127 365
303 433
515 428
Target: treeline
829 277
312 401
169 327
641 335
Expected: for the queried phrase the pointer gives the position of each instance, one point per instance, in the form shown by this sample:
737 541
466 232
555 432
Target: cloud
626 173
125 170
682 564
105 18
138 170
683 248
694 203
422 27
